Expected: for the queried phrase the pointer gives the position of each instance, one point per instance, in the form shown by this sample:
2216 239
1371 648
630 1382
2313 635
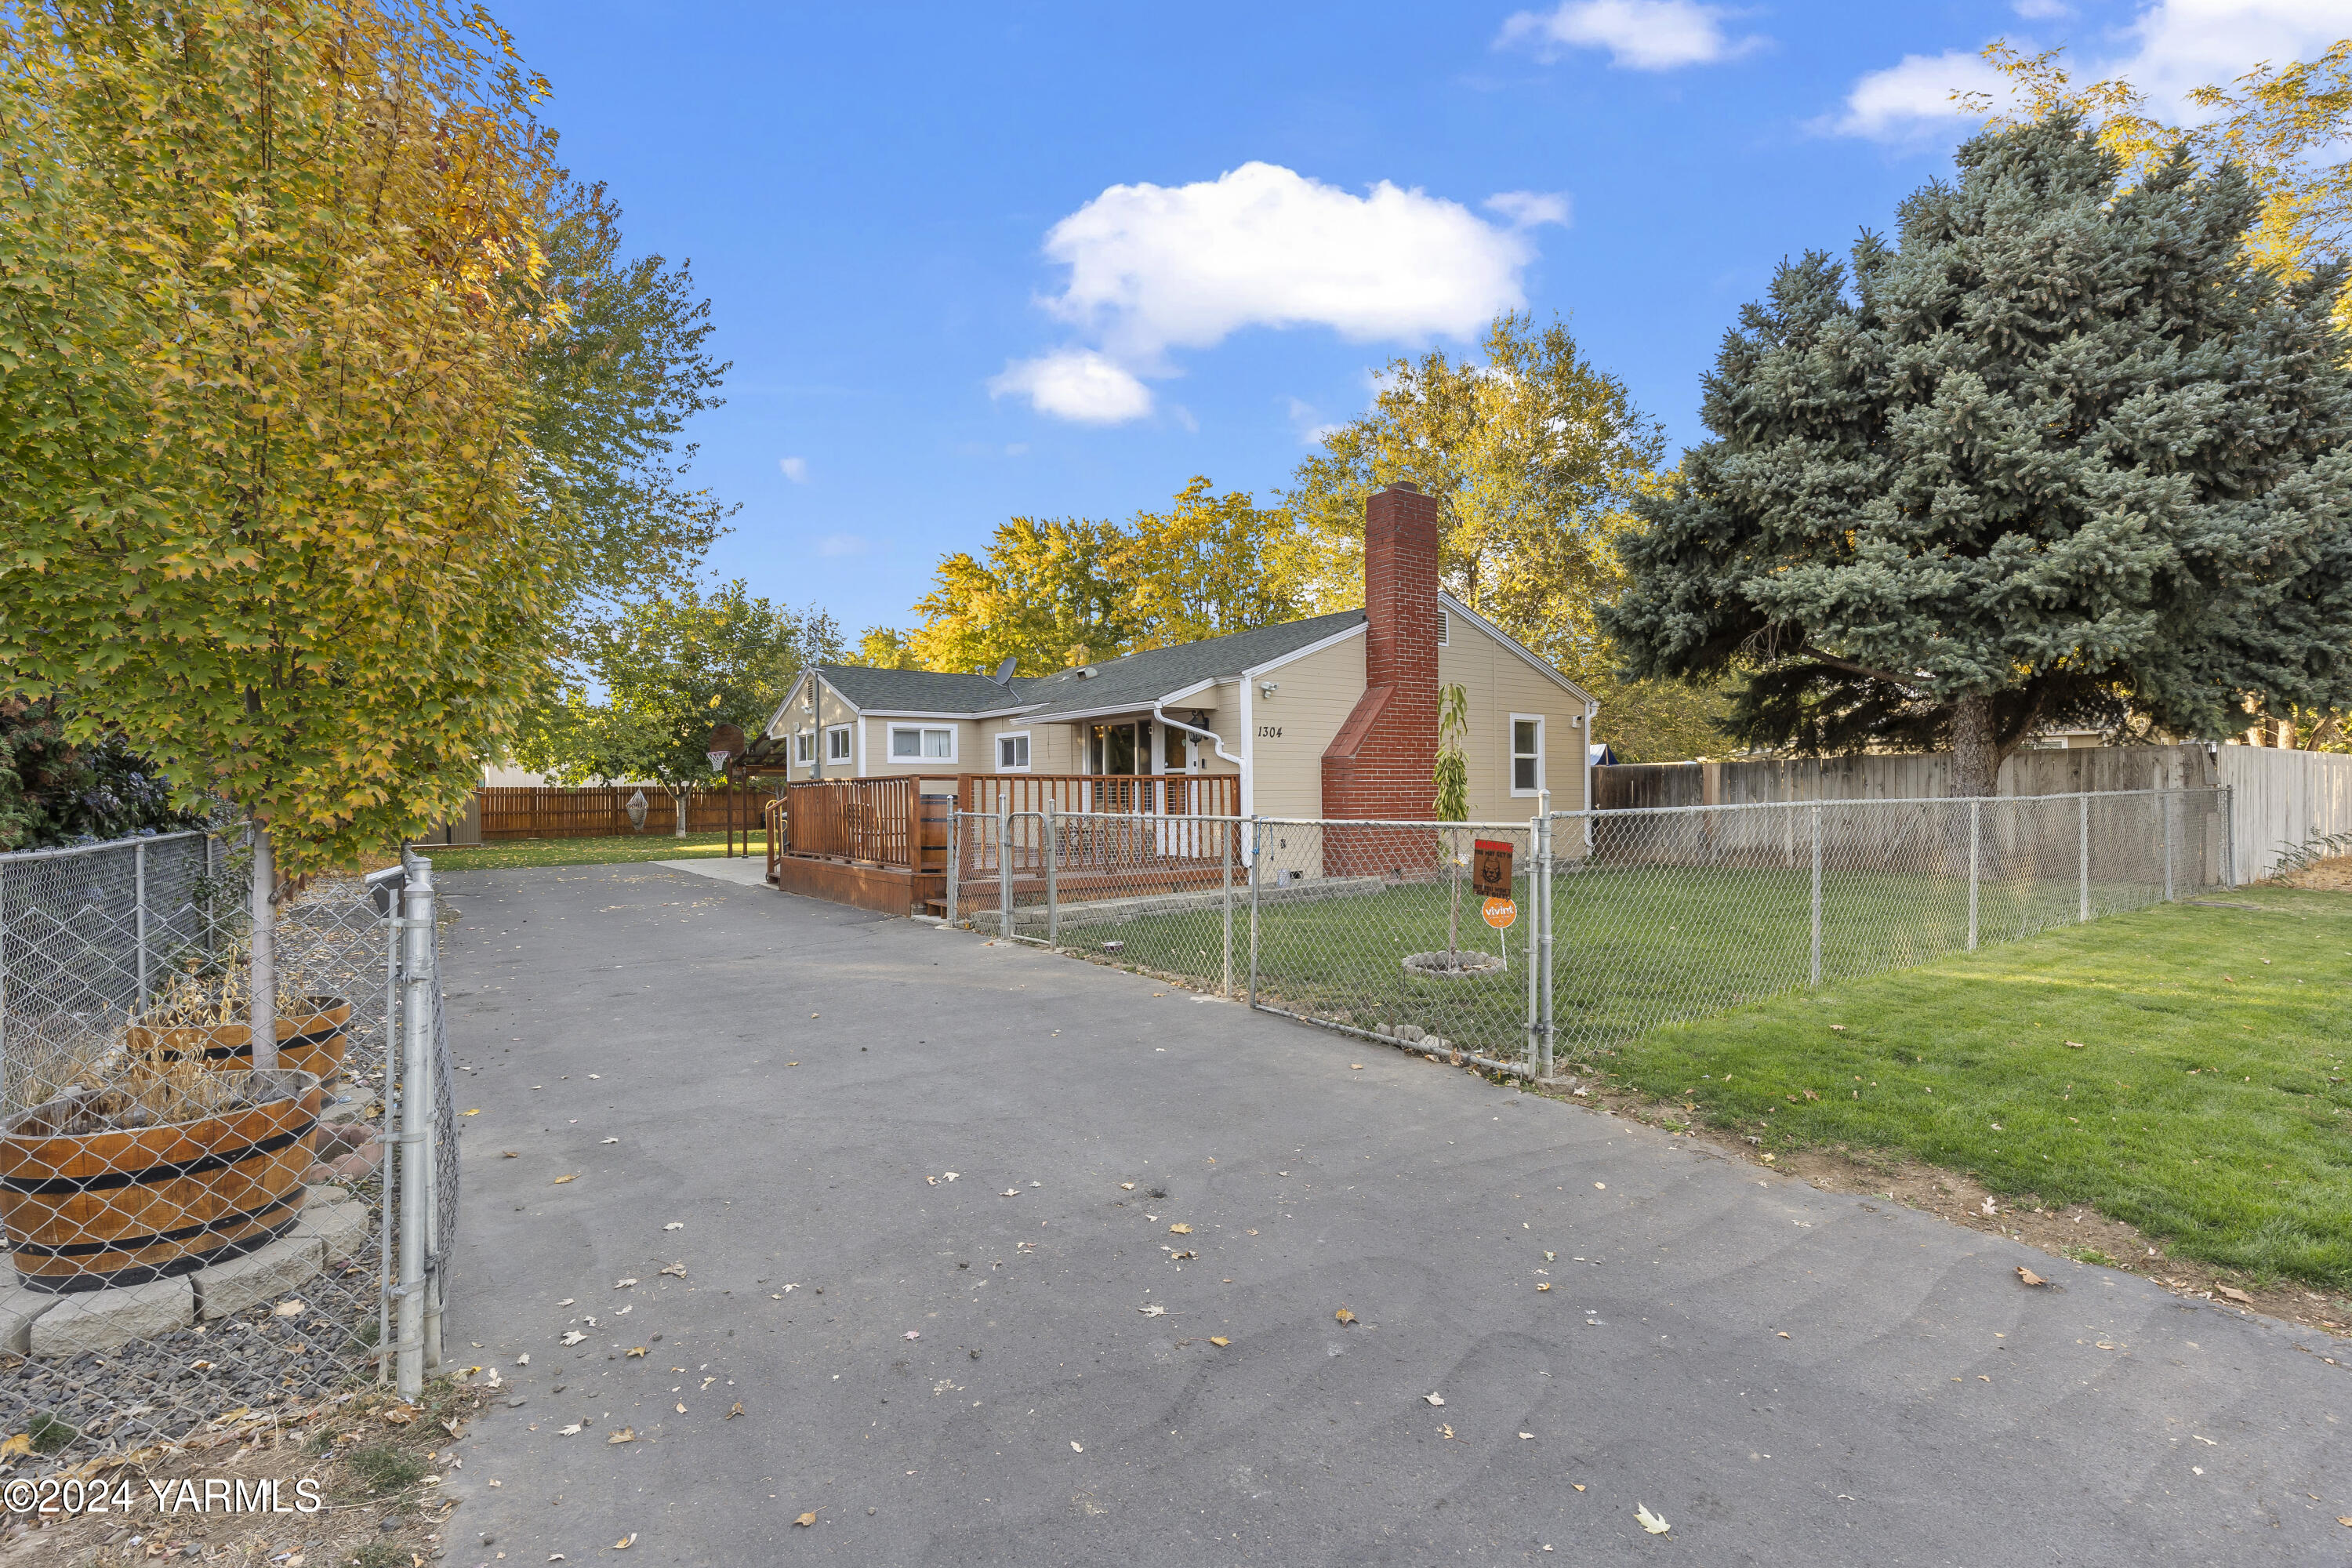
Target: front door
1119 748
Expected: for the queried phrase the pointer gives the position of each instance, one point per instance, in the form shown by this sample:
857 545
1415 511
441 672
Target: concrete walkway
1023 1366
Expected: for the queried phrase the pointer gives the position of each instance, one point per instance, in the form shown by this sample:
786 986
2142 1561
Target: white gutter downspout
1215 740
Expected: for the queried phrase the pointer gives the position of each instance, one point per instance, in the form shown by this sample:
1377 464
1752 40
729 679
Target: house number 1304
1269 732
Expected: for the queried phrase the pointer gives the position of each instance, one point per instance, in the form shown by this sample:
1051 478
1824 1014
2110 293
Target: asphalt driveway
1033 1361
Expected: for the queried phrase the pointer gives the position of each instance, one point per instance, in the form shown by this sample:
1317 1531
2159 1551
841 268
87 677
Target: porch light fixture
1268 688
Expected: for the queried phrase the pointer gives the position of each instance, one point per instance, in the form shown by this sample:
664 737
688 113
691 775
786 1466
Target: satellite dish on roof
1004 671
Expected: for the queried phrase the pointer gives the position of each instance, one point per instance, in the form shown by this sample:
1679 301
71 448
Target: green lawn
2206 1103
649 845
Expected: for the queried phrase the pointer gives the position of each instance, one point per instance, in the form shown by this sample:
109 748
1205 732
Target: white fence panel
2283 798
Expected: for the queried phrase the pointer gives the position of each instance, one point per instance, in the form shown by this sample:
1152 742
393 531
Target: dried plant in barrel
168 1166
200 1018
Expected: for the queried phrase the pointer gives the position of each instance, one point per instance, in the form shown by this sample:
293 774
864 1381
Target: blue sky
979 260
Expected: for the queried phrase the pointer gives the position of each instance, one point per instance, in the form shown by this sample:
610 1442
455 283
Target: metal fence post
1817 892
1225 865
138 917
2083 857
415 1125
2230 836
1004 868
1257 857
1542 950
955 859
2164 803
1053 853
3 979
1976 832
396 936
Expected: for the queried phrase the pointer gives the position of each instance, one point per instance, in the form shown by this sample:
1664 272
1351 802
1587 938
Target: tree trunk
678 794
1976 751
263 1011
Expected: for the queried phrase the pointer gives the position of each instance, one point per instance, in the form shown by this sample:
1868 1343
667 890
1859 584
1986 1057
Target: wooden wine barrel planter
311 1042
83 1211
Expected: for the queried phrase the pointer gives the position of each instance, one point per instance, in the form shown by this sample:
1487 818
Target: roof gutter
1161 713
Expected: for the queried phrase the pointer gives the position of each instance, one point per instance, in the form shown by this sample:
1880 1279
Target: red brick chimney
1379 764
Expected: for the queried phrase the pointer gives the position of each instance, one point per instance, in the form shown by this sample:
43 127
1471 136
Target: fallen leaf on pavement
476 1111
571 1337
625 1434
1127 1187
1153 1310
805 1519
513 1154
631 1539
914 1334
1219 1341
1446 1432
1010 1192
1543 1287
1578 1485
1355 1066
1075 1449
561 1180
1434 1398
1651 1522
1344 1315
2234 1294
623 1284
734 1413
675 1224
930 1180
1784 1333
950 1175
1180 1230
634 1349
2028 1275
681 1410
570 1431
677 1269
612 1140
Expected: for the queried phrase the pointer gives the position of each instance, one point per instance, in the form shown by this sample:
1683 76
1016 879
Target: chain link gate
1615 921
193 1244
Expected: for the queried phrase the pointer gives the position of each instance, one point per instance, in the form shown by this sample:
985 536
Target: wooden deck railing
1156 794
866 820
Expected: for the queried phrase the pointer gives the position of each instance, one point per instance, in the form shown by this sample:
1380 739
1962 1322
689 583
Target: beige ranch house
1333 716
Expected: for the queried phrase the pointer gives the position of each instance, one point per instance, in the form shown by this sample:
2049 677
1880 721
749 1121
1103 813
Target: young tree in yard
671 669
265 328
2059 446
1452 777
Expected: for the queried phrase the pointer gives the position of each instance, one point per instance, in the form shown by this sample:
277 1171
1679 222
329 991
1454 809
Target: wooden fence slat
598 811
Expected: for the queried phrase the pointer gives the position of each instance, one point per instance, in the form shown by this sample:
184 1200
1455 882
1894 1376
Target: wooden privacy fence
1631 787
2283 798
602 811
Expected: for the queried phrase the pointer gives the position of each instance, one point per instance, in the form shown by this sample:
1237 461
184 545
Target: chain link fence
194 1243
1615 921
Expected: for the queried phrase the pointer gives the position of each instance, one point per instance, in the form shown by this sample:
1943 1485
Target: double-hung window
922 743
1526 754
1013 753
804 746
837 745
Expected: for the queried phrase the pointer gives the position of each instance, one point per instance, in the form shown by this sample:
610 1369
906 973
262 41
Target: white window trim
1511 753
849 754
997 742
891 744
803 746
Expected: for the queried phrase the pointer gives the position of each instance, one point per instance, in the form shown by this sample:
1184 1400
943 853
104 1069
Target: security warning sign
1490 867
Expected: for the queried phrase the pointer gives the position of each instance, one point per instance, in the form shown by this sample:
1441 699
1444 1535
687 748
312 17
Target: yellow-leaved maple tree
268 287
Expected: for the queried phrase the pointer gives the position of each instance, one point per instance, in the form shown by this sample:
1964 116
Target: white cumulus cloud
795 469
1075 383
1157 267
1639 35
2168 48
